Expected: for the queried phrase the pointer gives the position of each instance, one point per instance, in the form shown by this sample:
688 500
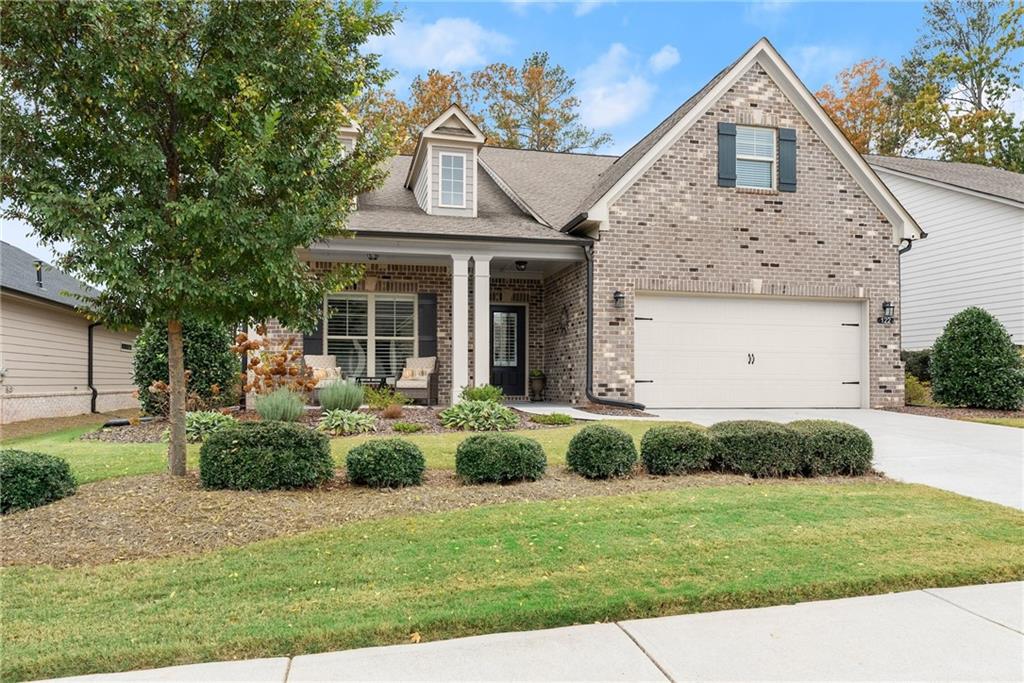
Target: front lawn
1004 421
508 567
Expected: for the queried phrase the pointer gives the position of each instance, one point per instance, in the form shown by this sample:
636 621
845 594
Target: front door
508 349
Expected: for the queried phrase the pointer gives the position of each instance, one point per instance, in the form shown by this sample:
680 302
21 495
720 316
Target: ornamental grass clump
479 416
282 405
675 449
834 448
757 448
499 458
346 422
28 480
340 395
386 463
600 451
264 456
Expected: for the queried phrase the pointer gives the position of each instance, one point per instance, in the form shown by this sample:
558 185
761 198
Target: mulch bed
958 413
602 409
157 515
152 432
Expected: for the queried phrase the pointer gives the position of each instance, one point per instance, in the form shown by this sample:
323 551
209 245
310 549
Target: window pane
351 355
504 354
347 317
753 173
390 355
755 142
452 180
394 317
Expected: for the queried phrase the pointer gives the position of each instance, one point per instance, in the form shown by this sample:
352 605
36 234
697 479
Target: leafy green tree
185 149
975 363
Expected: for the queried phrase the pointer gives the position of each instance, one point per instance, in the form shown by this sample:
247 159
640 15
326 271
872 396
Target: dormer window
755 157
453 180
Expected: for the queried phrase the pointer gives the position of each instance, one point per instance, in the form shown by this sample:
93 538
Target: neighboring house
742 254
974 254
53 361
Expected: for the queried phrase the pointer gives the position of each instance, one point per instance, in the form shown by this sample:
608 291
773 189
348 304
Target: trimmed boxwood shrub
834 448
599 451
974 363
386 463
675 449
265 455
28 480
757 448
499 458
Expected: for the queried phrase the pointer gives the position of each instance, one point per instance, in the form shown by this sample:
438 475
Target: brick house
742 254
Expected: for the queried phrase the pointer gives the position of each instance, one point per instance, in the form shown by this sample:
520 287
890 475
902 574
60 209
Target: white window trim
440 180
773 159
371 324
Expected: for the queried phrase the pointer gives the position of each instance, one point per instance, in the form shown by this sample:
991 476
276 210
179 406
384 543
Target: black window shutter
787 160
427 314
313 343
726 154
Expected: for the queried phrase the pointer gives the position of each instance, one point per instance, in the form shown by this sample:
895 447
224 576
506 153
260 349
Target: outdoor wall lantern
888 313
619 299
520 266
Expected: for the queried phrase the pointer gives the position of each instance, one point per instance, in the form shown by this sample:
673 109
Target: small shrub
675 449
600 451
379 399
392 412
915 391
756 448
484 392
918 364
499 458
338 422
28 480
479 416
282 405
974 363
407 427
263 456
552 419
340 395
834 448
386 463
201 423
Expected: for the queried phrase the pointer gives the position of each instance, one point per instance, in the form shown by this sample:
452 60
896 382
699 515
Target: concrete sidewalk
969 633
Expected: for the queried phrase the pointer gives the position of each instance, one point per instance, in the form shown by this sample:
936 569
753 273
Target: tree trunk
176 373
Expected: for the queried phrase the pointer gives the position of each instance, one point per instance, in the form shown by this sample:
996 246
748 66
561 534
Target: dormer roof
453 126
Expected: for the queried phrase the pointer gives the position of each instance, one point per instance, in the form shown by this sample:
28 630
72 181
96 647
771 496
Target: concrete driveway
978 460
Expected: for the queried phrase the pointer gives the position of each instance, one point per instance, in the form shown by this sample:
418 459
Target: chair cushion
426 363
320 361
418 383
322 374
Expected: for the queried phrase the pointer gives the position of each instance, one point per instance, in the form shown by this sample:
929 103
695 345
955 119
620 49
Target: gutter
95 394
588 253
904 250
579 218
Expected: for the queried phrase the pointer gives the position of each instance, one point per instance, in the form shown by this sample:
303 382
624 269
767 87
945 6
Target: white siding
422 189
435 165
973 256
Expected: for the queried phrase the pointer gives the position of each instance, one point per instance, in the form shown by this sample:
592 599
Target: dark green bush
975 364
834 448
499 458
675 449
386 463
213 369
918 364
600 451
757 448
484 392
264 456
28 480
551 419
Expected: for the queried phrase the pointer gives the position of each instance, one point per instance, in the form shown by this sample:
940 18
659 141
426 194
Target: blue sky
634 62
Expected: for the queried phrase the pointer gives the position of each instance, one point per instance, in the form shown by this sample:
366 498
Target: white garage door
718 352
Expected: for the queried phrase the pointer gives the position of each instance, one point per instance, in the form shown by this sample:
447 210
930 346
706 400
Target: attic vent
39 273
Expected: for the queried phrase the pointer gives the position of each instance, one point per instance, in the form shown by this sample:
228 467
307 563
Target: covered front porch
490 312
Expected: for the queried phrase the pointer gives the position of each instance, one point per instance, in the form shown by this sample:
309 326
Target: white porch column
481 320
460 324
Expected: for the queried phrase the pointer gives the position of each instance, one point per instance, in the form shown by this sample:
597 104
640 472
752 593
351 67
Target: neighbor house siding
973 256
674 229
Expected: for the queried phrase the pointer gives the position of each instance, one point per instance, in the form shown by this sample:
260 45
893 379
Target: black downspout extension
92 402
587 251
904 250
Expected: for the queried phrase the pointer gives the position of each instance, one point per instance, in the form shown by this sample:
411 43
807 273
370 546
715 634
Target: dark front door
508 349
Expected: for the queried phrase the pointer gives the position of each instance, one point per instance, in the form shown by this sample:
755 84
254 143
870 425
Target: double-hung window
370 334
755 157
453 180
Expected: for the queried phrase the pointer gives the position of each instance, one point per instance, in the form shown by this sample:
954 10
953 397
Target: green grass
1004 421
96 460
510 567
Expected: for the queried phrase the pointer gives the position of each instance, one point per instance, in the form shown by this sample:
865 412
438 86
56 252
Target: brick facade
674 229
565 334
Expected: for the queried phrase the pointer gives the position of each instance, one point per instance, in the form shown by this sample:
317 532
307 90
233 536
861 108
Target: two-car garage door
720 352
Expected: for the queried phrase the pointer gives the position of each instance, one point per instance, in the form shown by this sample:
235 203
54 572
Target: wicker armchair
419 379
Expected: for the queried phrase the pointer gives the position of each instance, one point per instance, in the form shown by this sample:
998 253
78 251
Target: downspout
588 252
904 250
92 402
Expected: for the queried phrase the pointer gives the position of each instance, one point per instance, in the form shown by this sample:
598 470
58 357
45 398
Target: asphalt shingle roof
984 179
18 273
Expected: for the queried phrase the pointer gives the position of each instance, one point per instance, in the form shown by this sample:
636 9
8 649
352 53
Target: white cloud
820 63
448 43
664 59
766 13
613 91
584 8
